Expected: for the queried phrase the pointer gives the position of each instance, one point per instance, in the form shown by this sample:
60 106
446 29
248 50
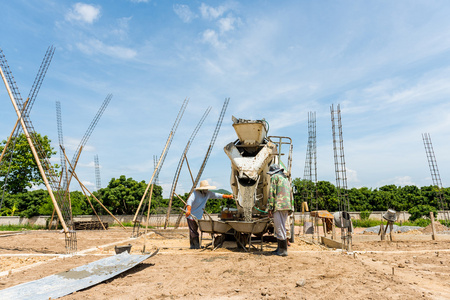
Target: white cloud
226 24
352 175
211 13
211 37
90 164
123 26
88 183
398 180
71 144
94 46
184 12
84 13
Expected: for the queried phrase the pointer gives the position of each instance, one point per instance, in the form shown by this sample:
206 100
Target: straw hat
204 185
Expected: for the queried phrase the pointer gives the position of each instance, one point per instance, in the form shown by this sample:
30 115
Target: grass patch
21 227
372 223
366 223
419 222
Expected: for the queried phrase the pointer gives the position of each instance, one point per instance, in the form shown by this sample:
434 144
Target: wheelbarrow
245 230
214 228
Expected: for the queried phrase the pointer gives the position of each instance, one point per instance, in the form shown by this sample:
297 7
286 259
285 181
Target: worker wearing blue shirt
195 205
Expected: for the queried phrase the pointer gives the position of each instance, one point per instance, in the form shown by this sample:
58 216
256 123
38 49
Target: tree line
122 195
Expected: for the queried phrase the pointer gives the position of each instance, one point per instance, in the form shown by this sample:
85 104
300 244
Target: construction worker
195 205
279 205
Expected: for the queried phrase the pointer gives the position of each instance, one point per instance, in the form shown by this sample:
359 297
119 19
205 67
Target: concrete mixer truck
251 155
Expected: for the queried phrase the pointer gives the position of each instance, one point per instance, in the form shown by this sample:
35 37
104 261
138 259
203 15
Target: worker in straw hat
195 205
279 205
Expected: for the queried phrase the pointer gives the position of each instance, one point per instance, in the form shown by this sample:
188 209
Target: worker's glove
188 211
227 196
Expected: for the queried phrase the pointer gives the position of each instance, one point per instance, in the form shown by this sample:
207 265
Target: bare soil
405 269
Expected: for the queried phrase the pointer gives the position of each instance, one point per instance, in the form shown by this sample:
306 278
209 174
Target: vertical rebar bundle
87 135
341 178
98 181
208 153
155 163
180 165
39 78
61 144
140 213
436 178
163 155
310 172
50 177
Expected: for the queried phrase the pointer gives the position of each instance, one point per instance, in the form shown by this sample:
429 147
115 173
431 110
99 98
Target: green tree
304 190
27 204
214 206
122 196
421 211
80 205
327 196
24 172
359 199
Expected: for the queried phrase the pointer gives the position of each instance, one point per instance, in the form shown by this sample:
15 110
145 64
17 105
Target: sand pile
438 226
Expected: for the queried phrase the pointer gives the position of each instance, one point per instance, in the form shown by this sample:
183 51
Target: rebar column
341 177
435 176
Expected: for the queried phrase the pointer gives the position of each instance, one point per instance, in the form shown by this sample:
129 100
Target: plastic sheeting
65 283
395 228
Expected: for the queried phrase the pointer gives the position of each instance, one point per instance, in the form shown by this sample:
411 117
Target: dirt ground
407 268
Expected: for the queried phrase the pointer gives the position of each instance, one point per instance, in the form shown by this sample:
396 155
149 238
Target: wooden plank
433 228
331 243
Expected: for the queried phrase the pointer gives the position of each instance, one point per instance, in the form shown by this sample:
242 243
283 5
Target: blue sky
387 63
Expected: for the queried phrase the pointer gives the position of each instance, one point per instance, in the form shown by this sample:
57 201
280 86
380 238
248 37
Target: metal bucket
390 215
344 222
120 249
308 228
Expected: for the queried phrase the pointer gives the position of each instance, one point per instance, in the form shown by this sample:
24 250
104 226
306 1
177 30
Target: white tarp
65 283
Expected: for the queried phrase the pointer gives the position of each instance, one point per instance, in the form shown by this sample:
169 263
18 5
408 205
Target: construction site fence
158 220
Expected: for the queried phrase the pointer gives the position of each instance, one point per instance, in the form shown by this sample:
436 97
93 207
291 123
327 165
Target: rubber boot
196 243
191 242
283 248
275 252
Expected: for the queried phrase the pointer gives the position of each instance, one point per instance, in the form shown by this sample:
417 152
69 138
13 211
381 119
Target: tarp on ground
395 228
65 283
